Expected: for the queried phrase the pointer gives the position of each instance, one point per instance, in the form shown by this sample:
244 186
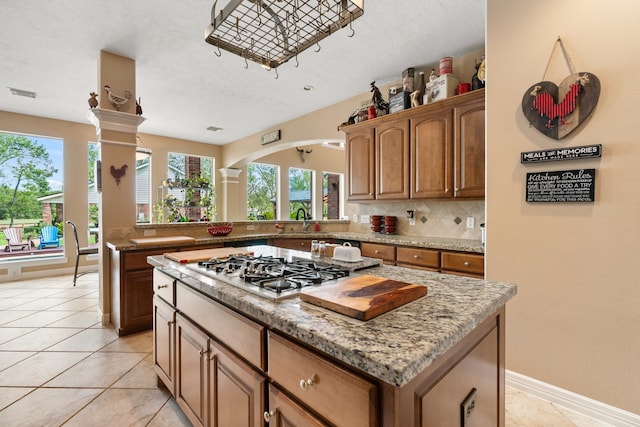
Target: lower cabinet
458 263
164 320
299 386
285 412
214 387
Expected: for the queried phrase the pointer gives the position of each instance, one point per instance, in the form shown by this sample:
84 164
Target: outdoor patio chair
49 237
80 251
14 239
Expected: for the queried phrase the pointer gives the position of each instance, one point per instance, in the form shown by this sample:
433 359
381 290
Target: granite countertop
393 347
463 245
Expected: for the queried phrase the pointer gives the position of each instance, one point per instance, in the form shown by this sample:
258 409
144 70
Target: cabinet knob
203 352
467 263
376 251
268 414
305 384
446 190
416 256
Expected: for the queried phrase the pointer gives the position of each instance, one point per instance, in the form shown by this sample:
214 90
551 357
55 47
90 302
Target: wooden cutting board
185 257
159 241
363 297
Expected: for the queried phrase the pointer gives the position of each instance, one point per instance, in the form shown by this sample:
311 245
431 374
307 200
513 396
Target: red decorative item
558 110
220 230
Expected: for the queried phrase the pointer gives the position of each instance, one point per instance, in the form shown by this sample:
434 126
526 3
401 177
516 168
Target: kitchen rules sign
561 186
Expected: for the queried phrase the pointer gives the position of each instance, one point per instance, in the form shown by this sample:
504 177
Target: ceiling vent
20 92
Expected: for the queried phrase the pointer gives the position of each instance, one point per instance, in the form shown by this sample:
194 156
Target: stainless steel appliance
271 277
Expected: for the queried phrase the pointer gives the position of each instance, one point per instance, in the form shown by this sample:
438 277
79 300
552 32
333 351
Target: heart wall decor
556 111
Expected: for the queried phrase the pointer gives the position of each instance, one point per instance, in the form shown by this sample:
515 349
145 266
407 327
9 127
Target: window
30 188
262 191
188 193
143 186
300 192
93 154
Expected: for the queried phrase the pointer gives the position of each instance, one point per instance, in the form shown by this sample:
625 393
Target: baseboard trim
581 404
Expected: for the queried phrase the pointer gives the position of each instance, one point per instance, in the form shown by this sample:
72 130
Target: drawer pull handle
162 286
416 256
203 352
376 251
467 263
267 415
305 384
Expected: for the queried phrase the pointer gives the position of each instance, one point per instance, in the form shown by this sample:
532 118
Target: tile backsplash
433 218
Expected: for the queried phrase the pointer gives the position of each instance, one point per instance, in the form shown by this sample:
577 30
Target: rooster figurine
118 173
116 100
93 101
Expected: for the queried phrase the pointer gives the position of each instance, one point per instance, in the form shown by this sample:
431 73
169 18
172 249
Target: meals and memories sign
576 185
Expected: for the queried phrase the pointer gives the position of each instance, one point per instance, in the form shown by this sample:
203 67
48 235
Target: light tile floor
60 366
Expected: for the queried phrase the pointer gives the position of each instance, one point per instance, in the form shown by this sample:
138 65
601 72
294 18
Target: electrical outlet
250 227
467 407
151 232
355 218
364 219
412 221
471 222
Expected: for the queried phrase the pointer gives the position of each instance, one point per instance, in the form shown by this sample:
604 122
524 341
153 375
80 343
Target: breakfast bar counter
408 348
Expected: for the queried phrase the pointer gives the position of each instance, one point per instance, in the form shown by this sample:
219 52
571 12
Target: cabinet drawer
237 332
428 259
472 264
344 398
386 253
138 260
164 287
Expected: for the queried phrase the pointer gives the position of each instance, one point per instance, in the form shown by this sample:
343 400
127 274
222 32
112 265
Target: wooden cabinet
431 151
285 412
213 386
164 320
462 263
468 375
236 395
423 259
360 164
392 160
469 149
131 291
297 244
191 371
342 397
387 253
432 154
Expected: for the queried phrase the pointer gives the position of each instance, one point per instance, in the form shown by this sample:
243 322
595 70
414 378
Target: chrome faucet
305 223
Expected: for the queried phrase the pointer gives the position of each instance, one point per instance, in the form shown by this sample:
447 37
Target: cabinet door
137 301
478 372
360 164
432 155
284 412
297 244
469 149
236 392
164 319
191 371
392 160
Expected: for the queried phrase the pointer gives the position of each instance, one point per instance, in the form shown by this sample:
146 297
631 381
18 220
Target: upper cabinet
392 160
469 149
360 165
435 151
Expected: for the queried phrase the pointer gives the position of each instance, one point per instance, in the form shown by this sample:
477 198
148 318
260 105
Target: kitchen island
218 347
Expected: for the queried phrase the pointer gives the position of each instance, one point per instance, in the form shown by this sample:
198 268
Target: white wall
575 322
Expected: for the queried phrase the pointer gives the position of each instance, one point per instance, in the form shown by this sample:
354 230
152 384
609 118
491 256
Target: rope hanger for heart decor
554 117
567 58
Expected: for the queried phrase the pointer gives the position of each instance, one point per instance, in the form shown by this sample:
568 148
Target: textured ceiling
52 48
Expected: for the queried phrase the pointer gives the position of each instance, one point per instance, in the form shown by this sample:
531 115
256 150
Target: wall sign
271 137
571 153
561 186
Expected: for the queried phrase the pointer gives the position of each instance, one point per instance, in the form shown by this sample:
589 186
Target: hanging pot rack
272 32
